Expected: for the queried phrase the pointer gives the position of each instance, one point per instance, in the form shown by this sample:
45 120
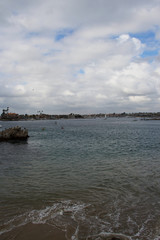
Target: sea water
91 178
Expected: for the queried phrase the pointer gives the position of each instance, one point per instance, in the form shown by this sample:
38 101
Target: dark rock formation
15 133
109 237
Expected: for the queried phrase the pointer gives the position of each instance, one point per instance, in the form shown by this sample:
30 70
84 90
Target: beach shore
34 231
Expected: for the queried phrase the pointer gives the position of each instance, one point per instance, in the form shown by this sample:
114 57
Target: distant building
9 116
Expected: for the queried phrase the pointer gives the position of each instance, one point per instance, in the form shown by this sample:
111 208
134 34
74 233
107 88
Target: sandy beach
34 231
46 232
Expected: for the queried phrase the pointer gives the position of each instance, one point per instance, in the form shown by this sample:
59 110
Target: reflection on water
94 176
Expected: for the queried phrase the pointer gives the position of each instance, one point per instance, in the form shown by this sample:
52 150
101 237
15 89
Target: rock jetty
15 133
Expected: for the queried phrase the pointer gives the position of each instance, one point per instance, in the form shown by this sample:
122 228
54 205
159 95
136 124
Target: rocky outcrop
15 133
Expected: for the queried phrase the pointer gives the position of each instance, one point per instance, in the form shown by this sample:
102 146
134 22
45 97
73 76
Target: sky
80 56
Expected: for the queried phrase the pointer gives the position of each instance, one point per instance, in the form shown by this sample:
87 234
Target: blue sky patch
114 37
81 71
145 37
149 53
152 44
63 33
149 39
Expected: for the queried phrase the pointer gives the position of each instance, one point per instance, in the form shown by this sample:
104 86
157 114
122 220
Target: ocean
88 179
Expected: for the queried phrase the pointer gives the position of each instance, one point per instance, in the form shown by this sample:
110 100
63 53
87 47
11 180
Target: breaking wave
83 221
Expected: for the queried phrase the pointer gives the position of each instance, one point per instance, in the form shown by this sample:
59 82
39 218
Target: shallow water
91 179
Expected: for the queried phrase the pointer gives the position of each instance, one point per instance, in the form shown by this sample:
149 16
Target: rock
109 237
15 133
115 238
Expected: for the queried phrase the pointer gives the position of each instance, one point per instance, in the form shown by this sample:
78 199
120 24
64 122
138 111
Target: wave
79 220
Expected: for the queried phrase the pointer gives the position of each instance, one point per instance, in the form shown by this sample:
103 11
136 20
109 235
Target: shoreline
84 118
34 231
49 232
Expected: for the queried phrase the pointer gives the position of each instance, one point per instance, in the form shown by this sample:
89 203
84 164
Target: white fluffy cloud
80 56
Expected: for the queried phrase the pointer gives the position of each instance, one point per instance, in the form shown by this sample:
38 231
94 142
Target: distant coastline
7 116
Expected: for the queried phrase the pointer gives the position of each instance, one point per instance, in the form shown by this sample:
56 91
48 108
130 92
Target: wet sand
34 232
47 232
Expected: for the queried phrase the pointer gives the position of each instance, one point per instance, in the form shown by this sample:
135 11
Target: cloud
79 56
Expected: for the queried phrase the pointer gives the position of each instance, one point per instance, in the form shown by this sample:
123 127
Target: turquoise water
100 176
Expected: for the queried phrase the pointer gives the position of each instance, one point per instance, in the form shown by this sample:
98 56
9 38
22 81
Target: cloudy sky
80 56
